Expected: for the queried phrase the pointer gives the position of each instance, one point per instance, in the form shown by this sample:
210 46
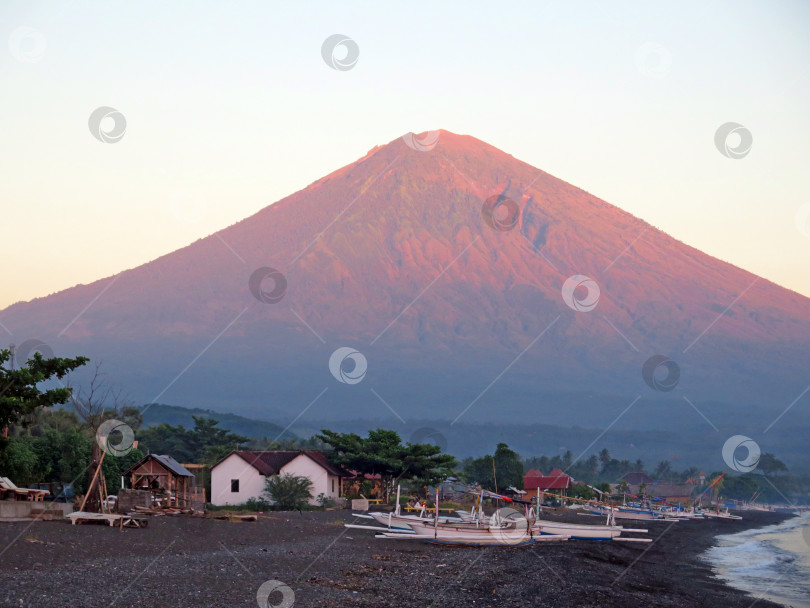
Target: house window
333 486
234 485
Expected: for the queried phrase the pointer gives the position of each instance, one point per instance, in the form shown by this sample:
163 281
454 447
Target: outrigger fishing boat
588 532
626 512
479 539
723 515
504 527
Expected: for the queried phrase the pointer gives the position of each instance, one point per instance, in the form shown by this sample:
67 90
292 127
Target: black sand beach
185 562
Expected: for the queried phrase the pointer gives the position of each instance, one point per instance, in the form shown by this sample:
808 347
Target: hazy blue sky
231 105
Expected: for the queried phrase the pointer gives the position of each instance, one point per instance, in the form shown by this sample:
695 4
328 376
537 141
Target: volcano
440 278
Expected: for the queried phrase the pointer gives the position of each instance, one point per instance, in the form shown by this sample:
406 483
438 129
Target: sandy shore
184 562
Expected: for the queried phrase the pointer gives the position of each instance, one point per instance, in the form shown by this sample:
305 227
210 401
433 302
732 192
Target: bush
257 504
326 502
17 460
365 489
288 491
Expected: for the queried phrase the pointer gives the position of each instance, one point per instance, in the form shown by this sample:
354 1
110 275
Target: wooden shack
171 484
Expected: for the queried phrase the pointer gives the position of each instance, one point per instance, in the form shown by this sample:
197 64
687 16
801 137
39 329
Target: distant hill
158 413
694 445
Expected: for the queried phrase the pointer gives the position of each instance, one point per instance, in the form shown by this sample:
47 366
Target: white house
241 474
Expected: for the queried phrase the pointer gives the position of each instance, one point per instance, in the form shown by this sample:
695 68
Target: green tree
20 394
580 490
288 491
567 460
132 416
615 469
770 464
498 471
200 444
382 453
741 487
18 461
63 456
542 464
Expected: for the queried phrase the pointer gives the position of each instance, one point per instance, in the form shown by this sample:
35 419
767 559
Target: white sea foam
771 562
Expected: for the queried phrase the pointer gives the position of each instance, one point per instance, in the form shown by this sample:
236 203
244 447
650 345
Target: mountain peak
437 256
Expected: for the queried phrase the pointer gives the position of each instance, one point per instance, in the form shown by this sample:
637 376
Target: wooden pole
93 481
436 523
102 492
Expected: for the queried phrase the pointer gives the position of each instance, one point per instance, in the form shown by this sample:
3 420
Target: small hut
171 484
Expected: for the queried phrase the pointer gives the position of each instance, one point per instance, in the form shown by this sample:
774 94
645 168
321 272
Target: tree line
45 444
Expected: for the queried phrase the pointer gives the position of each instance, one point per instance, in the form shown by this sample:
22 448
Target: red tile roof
556 480
271 462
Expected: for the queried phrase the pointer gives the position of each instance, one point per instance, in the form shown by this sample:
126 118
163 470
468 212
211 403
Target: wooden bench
111 519
10 487
132 521
80 517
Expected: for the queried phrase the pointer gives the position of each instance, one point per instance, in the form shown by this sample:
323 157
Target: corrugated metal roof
171 464
167 462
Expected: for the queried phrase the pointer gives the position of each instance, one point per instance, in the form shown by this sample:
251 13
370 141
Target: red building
556 480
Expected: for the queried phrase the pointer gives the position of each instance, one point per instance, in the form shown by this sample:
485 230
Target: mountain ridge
395 254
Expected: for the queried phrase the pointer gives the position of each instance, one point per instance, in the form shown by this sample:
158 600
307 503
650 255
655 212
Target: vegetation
260 430
495 472
205 443
771 479
382 453
55 446
48 444
20 395
288 491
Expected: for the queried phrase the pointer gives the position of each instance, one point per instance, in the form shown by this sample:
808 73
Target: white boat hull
578 531
625 514
484 538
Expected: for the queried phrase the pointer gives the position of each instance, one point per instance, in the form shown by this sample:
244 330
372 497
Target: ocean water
770 563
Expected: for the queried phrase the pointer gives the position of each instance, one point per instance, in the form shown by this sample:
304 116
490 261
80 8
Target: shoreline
178 561
770 562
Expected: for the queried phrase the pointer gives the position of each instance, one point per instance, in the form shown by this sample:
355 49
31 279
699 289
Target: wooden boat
681 514
581 531
626 513
485 538
392 520
427 527
721 515
509 533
